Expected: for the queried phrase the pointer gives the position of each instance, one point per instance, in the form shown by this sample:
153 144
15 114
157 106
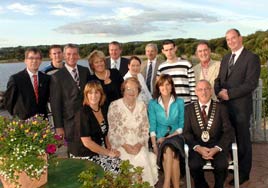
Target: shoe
241 181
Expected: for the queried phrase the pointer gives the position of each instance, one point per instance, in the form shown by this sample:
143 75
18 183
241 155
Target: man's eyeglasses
33 58
203 89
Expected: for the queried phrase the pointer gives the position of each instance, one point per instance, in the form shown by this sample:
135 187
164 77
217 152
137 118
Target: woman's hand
114 153
161 140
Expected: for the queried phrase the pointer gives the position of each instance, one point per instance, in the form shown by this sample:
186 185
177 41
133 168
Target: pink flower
57 137
51 148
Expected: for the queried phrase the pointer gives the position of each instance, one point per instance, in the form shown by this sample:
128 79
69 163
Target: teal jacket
160 124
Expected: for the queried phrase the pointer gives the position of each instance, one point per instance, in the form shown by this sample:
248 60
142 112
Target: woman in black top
94 129
110 79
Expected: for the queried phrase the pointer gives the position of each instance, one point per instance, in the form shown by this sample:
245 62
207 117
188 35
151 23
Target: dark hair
160 81
130 79
235 30
165 42
134 57
34 50
116 43
204 42
54 46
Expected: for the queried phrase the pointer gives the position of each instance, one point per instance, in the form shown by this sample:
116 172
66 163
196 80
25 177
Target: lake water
7 69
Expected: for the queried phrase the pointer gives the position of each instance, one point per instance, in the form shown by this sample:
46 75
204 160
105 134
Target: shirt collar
70 68
207 104
30 73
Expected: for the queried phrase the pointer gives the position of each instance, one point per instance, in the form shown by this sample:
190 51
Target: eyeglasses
203 89
131 90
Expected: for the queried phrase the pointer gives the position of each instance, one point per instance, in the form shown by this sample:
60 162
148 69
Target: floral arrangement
128 177
23 145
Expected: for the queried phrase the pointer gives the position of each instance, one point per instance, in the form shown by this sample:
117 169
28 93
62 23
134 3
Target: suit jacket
213 71
241 82
66 100
221 132
144 71
123 65
20 97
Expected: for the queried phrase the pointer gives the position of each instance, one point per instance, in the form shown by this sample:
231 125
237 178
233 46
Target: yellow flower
34 122
35 135
27 130
44 136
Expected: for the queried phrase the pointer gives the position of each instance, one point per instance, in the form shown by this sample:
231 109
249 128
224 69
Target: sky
46 22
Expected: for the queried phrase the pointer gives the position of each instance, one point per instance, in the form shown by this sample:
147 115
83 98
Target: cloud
59 10
29 9
135 22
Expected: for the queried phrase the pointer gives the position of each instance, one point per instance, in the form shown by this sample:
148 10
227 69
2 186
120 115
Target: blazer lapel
28 86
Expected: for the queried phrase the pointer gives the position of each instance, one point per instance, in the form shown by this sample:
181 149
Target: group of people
109 111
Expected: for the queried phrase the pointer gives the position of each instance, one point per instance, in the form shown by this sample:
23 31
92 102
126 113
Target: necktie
76 77
114 65
231 64
35 87
149 77
204 114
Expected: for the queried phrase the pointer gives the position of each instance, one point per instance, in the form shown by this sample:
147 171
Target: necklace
95 110
130 107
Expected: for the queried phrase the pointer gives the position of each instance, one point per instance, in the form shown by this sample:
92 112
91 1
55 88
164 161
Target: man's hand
223 94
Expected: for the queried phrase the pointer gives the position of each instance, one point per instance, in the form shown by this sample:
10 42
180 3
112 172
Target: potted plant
25 146
128 177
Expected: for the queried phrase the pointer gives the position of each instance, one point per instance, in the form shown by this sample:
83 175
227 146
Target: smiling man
28 90
207 68
238 77
209 134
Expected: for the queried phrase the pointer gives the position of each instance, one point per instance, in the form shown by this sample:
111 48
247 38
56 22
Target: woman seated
129 130
166 116
94 129
110 79
134 68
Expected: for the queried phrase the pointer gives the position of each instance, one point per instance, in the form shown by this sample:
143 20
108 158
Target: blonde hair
94 84
93 56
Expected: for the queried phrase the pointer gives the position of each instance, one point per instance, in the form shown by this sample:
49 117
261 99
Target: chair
233 165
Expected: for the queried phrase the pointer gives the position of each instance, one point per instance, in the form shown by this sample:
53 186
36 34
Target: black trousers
241 123
220 164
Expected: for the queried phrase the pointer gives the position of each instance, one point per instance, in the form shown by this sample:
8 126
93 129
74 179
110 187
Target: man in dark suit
150 66
115 61
208 132
237 79
66 96
28 90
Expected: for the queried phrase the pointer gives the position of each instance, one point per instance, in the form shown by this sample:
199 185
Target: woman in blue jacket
166 117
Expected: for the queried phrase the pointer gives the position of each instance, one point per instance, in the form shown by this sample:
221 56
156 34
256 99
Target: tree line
257 42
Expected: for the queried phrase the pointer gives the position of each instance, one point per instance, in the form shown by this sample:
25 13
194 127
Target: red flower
51 148
57 137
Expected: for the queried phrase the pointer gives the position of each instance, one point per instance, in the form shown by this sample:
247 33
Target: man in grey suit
150 66
115 61
66 96
237 79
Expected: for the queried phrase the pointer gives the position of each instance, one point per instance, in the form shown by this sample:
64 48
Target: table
63 173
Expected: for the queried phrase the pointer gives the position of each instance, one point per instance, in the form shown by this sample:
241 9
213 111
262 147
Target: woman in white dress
134 68
129 130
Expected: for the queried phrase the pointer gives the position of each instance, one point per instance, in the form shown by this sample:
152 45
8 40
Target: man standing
66 96
206 69
56 56
150 67
28 91
181 71
115 61
237 79
209 134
